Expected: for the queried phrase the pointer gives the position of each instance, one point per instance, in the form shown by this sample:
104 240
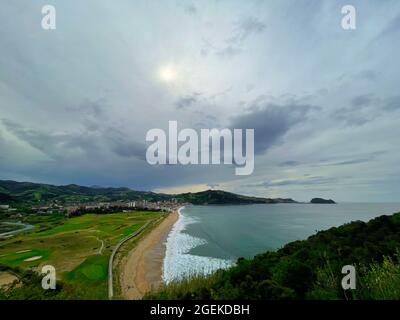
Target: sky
76 102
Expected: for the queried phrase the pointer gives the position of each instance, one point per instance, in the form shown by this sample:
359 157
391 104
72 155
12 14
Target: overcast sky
76 102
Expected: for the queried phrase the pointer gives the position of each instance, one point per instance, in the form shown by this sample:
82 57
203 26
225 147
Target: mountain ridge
30 192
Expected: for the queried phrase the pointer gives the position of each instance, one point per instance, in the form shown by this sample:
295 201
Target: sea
207 238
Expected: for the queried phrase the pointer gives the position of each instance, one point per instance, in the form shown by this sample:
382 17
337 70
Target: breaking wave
178 263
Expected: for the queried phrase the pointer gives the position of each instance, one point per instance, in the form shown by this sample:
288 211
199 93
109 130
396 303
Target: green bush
309 269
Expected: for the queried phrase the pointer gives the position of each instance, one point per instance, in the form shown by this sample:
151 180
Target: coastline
142 270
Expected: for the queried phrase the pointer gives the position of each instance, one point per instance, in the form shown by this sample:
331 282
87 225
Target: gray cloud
370 75
124 147
350 162
357 160
392 104
51 144
187 101
289 163
366 108
309 181
234 44
271 122
190 8
63 145
363 100
91 107
79 100
392 28
229 51
245 28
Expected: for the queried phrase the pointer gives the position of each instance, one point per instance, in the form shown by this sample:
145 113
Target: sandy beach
142 268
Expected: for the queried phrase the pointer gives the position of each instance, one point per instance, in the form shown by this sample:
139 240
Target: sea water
207 238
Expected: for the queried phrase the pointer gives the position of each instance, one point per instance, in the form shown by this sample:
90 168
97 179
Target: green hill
223 197
27 192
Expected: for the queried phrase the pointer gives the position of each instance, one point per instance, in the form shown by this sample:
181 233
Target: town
78 208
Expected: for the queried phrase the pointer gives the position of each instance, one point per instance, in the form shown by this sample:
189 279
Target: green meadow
79 248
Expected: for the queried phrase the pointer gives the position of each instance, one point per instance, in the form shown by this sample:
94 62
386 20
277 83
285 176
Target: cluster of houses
69 209
7 208
125 206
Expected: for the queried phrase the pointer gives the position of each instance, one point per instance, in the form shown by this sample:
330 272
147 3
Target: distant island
322 201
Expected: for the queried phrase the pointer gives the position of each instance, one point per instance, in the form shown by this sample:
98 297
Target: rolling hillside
28 192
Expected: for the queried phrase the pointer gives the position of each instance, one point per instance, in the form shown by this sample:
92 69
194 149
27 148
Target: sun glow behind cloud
168 73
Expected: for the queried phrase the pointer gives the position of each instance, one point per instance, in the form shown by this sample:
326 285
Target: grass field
78 248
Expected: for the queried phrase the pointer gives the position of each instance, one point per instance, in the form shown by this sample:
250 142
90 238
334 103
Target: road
26 227
115 250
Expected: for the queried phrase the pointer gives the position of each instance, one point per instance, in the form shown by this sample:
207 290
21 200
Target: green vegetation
20 193
79 249
27 192
28 287
90 276
223 197
5 227
309 269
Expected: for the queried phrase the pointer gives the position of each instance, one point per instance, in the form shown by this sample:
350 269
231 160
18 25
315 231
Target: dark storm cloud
124 147
60 145
46 143
271 122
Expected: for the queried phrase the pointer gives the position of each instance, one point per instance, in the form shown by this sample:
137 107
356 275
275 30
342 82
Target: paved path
110 262
102 245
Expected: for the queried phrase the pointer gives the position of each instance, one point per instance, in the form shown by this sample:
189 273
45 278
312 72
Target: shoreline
143 266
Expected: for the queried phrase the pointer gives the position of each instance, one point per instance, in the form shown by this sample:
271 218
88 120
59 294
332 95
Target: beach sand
142 269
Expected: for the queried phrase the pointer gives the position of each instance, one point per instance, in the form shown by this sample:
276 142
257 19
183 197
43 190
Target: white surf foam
178 263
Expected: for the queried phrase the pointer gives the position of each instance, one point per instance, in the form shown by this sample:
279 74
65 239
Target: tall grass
194 286
375 281
381 281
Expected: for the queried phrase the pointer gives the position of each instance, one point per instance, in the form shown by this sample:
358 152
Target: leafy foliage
309 269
